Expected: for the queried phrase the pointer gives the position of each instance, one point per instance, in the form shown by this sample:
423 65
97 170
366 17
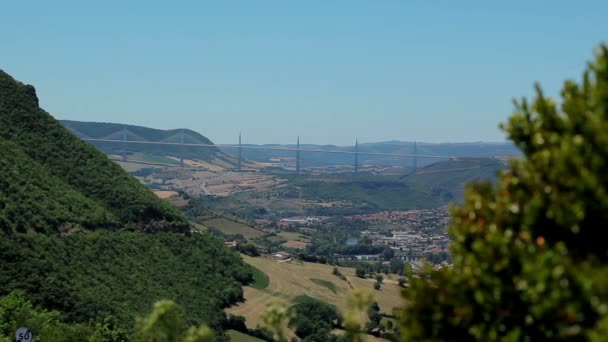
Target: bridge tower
181 151
415 166
298 156
124 144
240 160
356 156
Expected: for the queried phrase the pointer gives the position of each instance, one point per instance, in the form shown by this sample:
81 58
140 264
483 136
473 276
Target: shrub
528 251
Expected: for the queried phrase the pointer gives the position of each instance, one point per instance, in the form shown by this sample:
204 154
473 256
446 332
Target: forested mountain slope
57 191
51 180
92 276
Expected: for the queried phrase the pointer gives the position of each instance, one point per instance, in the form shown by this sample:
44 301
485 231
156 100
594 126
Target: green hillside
91 276
430 187
31 199
447 179
114 131
77 232
51 180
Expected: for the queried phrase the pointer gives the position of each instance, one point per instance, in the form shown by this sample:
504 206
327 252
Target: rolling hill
52 181
115 131
432 186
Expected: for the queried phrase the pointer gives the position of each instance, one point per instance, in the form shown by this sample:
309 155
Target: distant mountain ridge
116 131
51 181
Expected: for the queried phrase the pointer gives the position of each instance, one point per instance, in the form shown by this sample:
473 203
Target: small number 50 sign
24 335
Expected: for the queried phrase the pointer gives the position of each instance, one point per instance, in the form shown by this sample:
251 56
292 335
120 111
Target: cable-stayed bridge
239 148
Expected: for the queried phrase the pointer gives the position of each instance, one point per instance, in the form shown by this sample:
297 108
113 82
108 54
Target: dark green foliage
109 331
303 299
90 276
325 283
374 316
529 253
260 279
396 266
313 320
16 311
388 254
360 272
167 323
235 323
248 249
31 199
57 181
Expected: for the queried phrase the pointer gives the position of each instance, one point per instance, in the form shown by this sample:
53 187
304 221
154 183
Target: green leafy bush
528 252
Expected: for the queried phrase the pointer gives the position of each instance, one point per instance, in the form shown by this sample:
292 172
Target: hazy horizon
327 72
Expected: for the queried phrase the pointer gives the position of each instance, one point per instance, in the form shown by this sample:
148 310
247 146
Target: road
203 185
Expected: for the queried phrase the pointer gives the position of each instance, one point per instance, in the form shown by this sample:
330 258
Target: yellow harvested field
294 240
295 244
234 182
130 166
289 280
200 163
165 193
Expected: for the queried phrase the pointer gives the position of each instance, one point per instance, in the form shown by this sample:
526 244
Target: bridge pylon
298 156
124 144
240 160
182 147
356 156
415 166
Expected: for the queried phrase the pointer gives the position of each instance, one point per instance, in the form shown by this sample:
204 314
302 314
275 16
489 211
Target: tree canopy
89 277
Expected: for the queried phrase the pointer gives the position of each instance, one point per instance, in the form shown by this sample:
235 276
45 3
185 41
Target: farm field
294 240
165 193
231 227
290 280
151 158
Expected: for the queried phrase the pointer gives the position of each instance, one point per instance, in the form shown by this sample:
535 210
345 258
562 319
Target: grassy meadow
289 281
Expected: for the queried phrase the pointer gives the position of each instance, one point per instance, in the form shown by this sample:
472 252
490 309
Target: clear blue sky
328 71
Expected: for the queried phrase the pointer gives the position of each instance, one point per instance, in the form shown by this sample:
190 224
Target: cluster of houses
298 221
409 245
421 220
